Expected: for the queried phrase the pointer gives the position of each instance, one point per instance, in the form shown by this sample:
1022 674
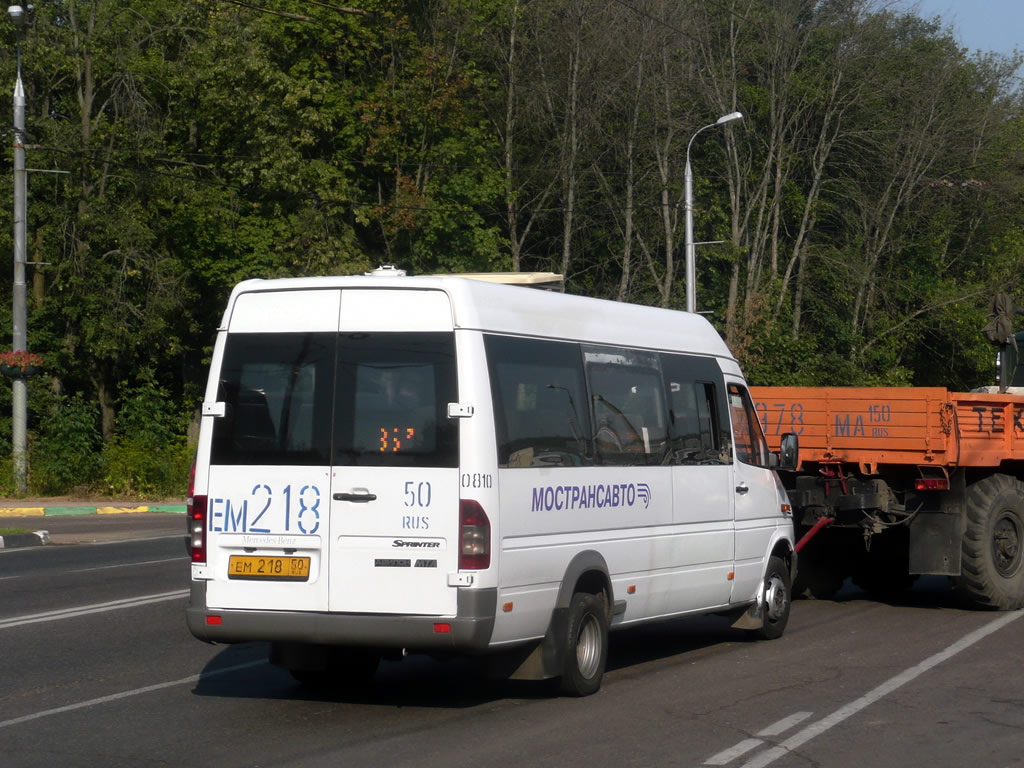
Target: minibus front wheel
776 599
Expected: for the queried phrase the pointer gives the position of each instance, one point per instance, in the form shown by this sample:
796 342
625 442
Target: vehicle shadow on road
930 592
455 683
653 642
415 681
460 682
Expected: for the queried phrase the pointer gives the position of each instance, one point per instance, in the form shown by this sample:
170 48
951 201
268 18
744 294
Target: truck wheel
584 646
991 570
777 599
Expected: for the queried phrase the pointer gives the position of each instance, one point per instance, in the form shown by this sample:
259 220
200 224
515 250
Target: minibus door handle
355 497
742 488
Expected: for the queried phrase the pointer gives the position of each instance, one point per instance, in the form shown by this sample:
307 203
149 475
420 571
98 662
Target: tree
113 293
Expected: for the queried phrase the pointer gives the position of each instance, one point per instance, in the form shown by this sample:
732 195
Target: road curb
18 540
103 509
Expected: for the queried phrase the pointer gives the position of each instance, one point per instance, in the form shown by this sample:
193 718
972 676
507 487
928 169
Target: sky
988 25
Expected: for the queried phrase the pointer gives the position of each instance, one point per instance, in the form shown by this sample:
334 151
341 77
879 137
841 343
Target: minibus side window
391 407
629 410
277 390
751 447
540 402
699 433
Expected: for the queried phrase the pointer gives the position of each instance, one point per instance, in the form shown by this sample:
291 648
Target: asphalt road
98 669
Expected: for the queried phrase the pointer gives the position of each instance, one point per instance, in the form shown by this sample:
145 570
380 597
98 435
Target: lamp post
691 255
20 335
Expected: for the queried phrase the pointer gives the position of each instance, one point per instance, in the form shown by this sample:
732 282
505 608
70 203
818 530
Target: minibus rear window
391 407
277 391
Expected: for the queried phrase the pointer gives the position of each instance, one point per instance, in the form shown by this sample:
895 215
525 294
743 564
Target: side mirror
789 452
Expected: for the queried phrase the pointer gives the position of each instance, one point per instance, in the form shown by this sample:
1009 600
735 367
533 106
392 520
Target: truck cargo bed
870 426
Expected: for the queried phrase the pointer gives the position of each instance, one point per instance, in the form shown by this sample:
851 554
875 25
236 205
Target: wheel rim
775 598
588 647
1006 552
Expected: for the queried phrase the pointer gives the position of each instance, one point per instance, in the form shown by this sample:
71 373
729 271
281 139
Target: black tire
584 646
777 598
992 559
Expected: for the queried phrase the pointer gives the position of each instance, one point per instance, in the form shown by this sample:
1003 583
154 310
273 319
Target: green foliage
147 456
781 361
66 453
132 469
7 489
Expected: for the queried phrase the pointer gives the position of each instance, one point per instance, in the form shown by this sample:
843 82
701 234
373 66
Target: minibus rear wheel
584 646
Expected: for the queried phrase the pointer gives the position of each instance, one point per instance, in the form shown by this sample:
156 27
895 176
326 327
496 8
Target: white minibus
391 465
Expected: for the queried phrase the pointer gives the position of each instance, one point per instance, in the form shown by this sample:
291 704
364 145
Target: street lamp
691 256
19 339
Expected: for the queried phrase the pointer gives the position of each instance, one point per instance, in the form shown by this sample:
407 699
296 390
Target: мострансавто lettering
594 496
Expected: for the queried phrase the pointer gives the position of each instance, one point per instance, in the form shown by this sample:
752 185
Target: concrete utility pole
20 336
691 251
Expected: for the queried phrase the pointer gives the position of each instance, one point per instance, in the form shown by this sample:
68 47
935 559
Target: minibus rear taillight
474 536
196 521
197 528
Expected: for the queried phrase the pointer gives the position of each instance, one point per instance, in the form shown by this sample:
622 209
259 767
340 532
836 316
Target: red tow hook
822 522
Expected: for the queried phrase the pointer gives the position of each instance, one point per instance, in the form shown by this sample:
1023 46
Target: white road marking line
816 729
128 565
181 535
85 610
785 724
126 694
33 550
726 756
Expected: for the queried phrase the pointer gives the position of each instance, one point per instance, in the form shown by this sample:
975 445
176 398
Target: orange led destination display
396 439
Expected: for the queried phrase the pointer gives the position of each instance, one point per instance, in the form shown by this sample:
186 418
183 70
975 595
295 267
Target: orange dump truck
896 482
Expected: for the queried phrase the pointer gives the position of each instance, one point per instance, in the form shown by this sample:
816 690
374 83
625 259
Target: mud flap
753 617
937 530
539 661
